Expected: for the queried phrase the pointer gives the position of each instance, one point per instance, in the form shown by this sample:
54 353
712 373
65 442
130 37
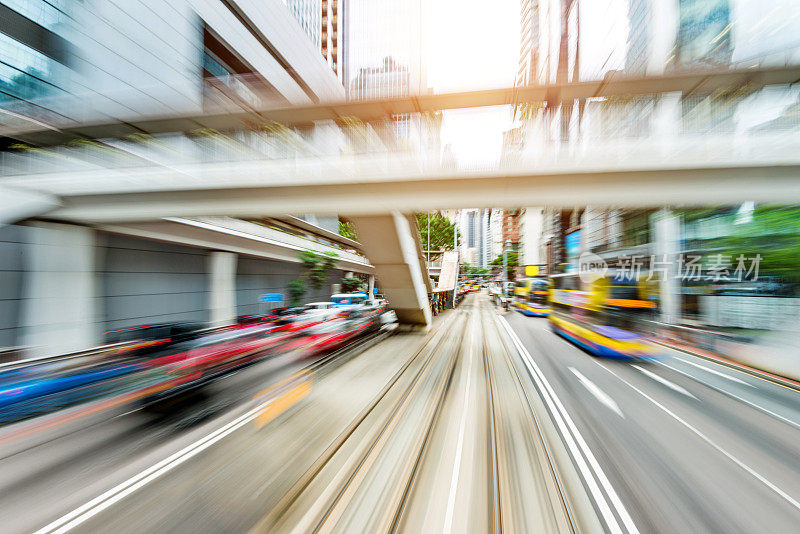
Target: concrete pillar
59 313
667 249
222 288
370 285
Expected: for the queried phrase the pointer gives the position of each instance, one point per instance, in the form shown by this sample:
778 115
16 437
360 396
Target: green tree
318 265
774 233
351 284
512 261
769 231
469 270
442 231
296 289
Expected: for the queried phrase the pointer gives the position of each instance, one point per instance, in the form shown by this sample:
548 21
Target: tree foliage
470 270
442 231
318 265
296 289
774 233
351 284
512 260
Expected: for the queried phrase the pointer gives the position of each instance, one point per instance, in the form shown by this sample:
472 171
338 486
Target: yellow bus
534 302
604 315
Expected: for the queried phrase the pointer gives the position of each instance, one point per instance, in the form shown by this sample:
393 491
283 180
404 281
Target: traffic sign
270 297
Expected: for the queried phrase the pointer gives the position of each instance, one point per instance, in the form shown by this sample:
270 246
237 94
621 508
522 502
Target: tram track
507 471
495 509
427 353
384 472
391 519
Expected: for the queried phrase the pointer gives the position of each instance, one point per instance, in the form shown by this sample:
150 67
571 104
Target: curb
760 373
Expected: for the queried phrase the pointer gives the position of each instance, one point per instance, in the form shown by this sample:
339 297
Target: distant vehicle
249 320
508 289
346 299
151 332
388 317
320 305
522 287
534 303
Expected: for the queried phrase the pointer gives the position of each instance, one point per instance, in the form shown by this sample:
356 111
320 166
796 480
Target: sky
473 44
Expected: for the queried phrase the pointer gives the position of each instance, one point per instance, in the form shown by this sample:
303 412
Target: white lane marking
737 397
598 393
714 371
708 440
88 510
664 381
575 443
451 499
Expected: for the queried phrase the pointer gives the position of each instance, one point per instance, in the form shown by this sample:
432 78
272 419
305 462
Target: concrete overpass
685 173
115 181
615 83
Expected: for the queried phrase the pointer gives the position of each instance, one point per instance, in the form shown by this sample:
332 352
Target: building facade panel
145 282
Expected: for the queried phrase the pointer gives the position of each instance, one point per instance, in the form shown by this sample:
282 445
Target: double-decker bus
603 316
533 302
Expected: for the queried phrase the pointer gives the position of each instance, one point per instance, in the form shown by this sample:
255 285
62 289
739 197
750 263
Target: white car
388 317
320 305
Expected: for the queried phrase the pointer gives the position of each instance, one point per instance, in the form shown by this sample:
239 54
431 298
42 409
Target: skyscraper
474 226
704 34
389 79
309 14
84 61
380 29
334 20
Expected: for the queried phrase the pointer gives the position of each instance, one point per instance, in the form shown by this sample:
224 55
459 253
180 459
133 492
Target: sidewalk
732 352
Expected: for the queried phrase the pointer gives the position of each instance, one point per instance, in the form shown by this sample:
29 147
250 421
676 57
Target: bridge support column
667 245
59 312
391 242
222 288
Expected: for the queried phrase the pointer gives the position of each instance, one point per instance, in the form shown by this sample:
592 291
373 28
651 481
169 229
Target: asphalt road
420 432
688 445
488 422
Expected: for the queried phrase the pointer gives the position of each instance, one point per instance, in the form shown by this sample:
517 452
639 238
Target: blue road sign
271 297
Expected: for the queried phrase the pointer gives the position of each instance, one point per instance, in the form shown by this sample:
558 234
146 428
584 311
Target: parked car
346 299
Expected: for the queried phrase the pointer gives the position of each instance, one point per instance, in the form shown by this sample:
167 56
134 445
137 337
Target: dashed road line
714 371
673 386
710 442
585 461
598 393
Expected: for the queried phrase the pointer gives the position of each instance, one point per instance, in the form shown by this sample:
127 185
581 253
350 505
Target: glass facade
309 14
27 74
51 14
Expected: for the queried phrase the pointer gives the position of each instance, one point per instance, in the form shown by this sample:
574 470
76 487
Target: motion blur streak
112 496
578 446
702 436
